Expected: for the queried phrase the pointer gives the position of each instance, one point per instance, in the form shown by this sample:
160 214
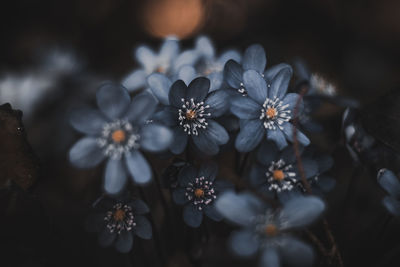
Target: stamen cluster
120 218
278 184
201 192
274 114
192 116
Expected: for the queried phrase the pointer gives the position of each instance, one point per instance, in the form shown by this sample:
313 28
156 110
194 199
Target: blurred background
55 53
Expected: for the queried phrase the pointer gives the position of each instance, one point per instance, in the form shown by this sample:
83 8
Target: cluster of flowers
196 101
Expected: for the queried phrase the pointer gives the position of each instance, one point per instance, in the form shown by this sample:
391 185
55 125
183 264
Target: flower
266 111
276 171
190 112
197 191
267 232
117 221
168 61
118 131
208 64
388 180
254 59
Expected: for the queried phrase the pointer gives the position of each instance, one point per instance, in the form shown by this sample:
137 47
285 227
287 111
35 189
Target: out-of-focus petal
86 153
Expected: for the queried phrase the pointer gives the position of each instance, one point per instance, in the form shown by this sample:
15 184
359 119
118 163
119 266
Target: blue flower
168 61
267 232
208 64
117 221
190 112
266 111
276 171
118 131
254 59
388 180
197 191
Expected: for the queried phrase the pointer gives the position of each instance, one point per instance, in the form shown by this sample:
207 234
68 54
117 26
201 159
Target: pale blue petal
113 100
143 227
254 58
87 120
295 252
205 143
192 216
205 47
198 89
269 258
115 176
278 137
255 86
155 137
138 167
135 80
216 132
271 72
292 99
250 135
141 109
187 74
279 84
212 213
216 79
244 243
86 153
233 74
168 51
139 206
179 142
146 58
218 102
388 180
288 131
245 108
188 57
229 55
160 86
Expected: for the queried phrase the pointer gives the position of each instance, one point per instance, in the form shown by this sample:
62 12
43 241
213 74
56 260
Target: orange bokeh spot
181 18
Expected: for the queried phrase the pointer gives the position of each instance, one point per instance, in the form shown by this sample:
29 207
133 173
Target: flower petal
155 137
115 176
106 238
205 143
113 100
255 86
188 57
229 55
139 206
138 167
250 135
177 93
278 137
268 152
167 116
219 103
143 227
168 51
179 197
233 74
270 257
146 58
239 208
124 242
245 108
187 73
160 86
212 213
310 167
87 120
179 142
141 109
292 99
192 215
254 58
244 243
301 211
295 252
216 133
86 153
198 89
205 47
135 80
388 180
271 72
208 170
187 175
216 79
288 131
280 83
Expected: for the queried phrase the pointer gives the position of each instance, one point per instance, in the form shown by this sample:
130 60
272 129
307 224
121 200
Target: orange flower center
119 215
271 230
278 175
270 113
199 192
160 69
118 136
190 114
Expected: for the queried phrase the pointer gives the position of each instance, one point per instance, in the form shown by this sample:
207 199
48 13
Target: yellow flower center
190 114
270 113
199 192
118 136
271 230
278 175
119 215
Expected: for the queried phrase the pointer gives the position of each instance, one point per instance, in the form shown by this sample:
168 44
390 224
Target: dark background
354 44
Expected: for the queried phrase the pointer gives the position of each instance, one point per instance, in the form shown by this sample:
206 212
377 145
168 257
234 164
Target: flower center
118 136
120 218
274 113
278 175
192 116
271 230
270 113
119 215
201 192
160 69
